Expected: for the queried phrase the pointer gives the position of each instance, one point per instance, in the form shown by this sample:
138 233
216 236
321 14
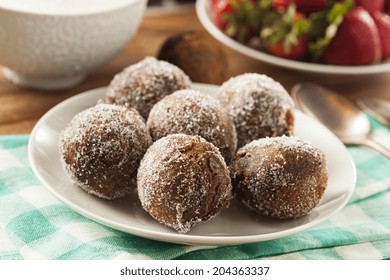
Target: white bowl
44 47
203 10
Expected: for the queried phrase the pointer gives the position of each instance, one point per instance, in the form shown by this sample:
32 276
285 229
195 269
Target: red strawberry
382 22
356 41
286 36
296 51
220 8
371 5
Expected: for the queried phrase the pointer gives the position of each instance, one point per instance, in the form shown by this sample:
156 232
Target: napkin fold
35 225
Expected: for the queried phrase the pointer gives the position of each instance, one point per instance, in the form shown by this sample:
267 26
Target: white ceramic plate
235 225
205 16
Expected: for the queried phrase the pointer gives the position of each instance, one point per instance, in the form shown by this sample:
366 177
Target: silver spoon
337 113
378 108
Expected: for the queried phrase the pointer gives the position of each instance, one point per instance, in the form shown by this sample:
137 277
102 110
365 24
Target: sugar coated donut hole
260 107
194 113
144 83
280 177
101 149
182 181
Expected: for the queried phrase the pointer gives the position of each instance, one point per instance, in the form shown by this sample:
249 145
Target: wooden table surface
21 108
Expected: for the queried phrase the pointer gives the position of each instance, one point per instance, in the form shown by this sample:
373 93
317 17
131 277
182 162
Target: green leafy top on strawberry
243 20
286 28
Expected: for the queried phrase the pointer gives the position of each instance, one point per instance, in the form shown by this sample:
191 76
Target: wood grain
21 108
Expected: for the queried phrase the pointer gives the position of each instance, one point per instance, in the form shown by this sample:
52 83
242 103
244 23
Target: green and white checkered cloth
35 225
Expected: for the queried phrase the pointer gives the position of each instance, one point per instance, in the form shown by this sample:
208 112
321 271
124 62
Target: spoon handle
377 147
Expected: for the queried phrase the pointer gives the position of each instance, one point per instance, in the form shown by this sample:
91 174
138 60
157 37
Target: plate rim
188 239
202 8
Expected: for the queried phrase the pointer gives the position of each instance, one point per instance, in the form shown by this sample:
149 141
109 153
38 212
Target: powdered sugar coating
182 181
280 177
143 84
194 113
101 149
259 105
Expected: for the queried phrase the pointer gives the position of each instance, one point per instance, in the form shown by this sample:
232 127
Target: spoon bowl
336 112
